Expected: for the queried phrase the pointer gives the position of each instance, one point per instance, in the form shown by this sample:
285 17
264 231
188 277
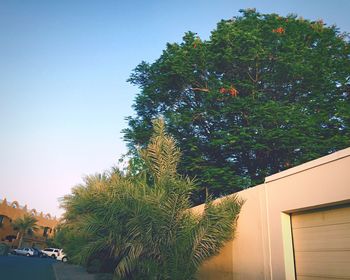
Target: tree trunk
20 240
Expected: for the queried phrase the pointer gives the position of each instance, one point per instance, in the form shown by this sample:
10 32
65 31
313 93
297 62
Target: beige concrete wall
263 248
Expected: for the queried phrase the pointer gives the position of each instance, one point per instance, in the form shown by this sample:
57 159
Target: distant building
10 211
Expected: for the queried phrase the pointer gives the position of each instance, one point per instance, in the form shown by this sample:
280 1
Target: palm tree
25 225
141 225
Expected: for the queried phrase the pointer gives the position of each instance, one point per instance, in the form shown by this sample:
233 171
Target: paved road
26 268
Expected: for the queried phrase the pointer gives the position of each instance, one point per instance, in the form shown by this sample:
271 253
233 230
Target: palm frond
144 226
161 155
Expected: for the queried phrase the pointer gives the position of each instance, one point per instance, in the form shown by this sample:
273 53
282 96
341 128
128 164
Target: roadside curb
64 271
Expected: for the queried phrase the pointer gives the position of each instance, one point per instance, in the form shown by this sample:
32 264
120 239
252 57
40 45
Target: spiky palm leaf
162 155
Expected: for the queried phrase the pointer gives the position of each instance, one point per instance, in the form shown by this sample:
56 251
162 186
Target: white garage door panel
320 278
323 264
321 241
330 237
322 218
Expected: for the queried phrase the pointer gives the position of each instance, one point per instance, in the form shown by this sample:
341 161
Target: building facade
10 211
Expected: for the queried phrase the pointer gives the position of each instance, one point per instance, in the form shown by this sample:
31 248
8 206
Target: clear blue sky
63 72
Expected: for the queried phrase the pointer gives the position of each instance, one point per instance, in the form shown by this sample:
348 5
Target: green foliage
4 249
25 225
140 225
263 94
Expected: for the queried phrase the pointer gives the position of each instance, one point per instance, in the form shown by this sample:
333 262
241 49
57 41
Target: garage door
321 242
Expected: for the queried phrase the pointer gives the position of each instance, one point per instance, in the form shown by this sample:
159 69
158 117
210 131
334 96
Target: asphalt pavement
32 268
26 268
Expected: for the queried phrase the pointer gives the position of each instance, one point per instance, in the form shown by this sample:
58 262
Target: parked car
51 252
39 253
62 256
29 252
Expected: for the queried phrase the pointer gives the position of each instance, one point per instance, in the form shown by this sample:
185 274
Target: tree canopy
262 94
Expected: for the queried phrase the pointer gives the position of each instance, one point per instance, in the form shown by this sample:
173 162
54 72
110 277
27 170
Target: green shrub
140 225
4 249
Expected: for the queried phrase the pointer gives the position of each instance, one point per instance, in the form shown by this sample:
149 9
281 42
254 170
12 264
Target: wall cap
309 165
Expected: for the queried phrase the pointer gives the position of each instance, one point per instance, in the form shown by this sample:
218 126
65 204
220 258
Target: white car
29 252
51 252
62 256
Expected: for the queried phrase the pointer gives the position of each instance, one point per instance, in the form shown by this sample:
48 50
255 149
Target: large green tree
262 94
